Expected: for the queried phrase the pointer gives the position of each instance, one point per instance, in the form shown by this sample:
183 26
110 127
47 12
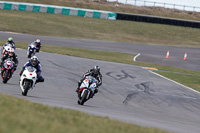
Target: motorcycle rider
38 44
10 42
34 62
94 72
10 54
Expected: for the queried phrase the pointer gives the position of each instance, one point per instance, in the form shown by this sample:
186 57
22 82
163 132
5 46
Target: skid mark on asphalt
143 88
119 76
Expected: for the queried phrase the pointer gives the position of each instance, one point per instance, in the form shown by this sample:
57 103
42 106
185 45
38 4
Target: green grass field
21 116
97 29
102 5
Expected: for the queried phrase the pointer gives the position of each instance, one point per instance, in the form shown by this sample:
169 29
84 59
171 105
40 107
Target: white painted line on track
134 59
174 82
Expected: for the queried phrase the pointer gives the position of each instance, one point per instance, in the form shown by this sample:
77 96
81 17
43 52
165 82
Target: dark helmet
96 69
34 60
10 39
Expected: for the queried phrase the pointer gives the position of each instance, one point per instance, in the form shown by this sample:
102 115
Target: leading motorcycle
86 89
7 70
27 79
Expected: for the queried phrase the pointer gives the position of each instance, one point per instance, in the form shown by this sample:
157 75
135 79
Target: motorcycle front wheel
5 77
26 88
84 98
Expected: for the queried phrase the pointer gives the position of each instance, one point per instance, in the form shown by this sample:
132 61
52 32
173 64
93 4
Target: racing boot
95 91
79 84
77 89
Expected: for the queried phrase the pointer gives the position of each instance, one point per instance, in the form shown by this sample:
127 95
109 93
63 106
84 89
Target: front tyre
26 88
5 77
84 98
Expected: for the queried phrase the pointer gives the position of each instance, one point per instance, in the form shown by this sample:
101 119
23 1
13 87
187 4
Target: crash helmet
10 39
96 69
9 50
38 41
34 60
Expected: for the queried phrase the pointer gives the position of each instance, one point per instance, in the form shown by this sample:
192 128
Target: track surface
149 53
129 93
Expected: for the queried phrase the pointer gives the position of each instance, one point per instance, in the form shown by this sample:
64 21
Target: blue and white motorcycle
31 50
86 90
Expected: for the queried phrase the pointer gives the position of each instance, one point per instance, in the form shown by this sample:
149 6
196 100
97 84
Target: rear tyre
26 88
83 98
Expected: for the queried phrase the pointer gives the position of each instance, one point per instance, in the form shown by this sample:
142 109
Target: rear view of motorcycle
7 70
31 50
86 90
28 79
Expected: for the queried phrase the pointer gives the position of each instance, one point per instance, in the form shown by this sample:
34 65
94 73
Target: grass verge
97 29
21 116
110 6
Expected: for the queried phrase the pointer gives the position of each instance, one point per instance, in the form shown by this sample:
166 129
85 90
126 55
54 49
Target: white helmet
37 41
9 50
34 60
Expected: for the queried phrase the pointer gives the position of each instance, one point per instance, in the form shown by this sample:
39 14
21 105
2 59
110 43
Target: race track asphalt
128 93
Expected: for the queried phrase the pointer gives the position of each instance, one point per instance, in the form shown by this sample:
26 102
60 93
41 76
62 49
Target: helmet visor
10 53
95 71
34 62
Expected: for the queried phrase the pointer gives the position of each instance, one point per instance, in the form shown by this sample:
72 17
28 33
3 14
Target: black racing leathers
97 76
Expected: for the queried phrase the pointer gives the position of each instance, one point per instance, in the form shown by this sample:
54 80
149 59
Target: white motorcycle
86 89
27 79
